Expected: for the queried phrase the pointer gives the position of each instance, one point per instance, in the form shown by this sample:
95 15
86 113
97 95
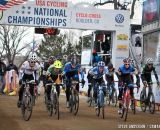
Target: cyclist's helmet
126 60
101 64
33 58
110 66
73 61
149 61
57 64
51 59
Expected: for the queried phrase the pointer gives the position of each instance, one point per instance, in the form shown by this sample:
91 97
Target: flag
5 4
2 4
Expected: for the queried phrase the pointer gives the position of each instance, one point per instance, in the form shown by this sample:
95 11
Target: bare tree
12 41
118 5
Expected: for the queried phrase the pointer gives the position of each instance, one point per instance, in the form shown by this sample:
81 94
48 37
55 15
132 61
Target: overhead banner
51 13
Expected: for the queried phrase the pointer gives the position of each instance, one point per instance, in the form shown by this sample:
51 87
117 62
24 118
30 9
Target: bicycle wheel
27 107
71 103
75 102
97 111
108 97
51 105
103 111
115 98
151 103
91 99
134 107
142 102
46 100
56 105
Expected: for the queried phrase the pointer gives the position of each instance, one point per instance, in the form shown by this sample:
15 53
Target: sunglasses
32 62
150 64
127 64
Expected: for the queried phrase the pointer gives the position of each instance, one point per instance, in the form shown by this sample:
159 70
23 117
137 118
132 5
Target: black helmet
110 66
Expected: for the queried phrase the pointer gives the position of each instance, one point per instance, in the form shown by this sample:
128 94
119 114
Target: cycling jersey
73 71
110 76
27 70
53 74
126 73
146 73
96 73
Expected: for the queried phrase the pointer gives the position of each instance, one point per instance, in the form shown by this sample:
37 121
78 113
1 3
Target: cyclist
28 71
146 74
125 73
97 73
53 73
110 80
90 82
72 70
51 60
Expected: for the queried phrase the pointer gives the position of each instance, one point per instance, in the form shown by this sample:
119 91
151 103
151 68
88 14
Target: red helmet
94 51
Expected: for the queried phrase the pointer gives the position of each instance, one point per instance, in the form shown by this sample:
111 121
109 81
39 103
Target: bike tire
97 111
27 107
103 111
115 98
71 103
51 105
142 103
91 100
126 113
123 112
76 102
134 107
56 106
151 103
127 107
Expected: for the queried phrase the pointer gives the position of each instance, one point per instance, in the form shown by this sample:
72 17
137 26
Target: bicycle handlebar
30 82
53 83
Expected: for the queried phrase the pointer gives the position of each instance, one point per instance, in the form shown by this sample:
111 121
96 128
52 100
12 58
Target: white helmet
149 61
33 57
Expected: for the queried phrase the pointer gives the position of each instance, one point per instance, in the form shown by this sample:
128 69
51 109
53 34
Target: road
11 119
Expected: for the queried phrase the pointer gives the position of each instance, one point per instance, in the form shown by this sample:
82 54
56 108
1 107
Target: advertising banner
86 57
54 13
150 11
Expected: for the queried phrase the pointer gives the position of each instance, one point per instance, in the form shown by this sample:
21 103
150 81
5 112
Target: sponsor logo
122 47
119 18
122 37
120 58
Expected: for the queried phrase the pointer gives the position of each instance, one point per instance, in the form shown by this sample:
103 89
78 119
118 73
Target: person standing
2 75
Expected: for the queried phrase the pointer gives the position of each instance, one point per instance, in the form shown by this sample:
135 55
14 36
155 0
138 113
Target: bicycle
100 101
74 98
147 100
126 101
27 100
53 106
111 95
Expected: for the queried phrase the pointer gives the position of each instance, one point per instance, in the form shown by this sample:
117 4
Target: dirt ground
11 119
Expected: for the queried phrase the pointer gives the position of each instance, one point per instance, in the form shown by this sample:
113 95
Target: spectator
12 72
96 58
2 75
